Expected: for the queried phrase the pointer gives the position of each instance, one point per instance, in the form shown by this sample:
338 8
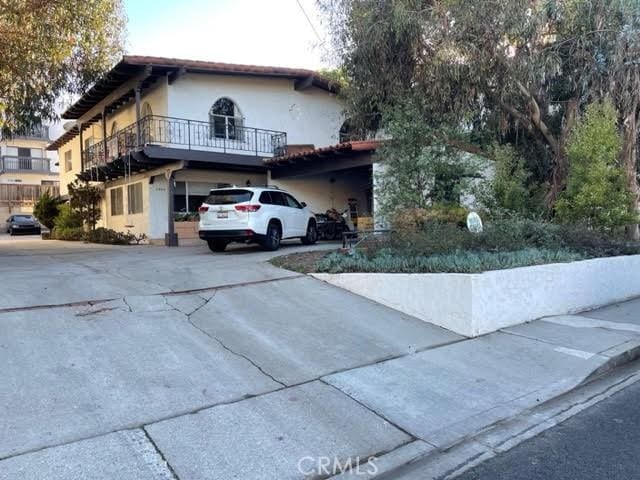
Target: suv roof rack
230 185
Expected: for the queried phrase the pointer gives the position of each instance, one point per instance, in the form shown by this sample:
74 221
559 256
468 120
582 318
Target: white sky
262 32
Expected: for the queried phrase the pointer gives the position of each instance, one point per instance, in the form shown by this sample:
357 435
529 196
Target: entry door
24 158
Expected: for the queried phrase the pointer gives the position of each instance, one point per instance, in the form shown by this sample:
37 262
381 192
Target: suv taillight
203 209
248 208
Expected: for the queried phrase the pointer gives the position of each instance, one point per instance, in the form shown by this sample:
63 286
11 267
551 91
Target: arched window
224 119
146 110
352 131
347 132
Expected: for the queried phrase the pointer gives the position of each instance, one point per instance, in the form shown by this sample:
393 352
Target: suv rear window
269 197
228 197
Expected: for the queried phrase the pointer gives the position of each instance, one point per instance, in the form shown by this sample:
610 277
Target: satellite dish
474 223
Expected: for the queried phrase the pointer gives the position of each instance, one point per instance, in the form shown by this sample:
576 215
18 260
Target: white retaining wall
475 304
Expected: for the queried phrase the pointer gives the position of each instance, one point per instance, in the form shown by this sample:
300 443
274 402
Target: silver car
23 223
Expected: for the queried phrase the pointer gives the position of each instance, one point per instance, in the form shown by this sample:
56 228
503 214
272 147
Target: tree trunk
559 173
560 170
629 163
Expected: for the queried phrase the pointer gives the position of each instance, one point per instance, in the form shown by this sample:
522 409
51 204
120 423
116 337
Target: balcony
10 163
222 134
35 133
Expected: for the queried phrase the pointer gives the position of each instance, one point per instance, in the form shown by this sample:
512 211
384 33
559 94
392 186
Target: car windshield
228 197
23 218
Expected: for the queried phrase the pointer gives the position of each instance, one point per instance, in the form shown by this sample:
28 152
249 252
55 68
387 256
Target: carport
339 176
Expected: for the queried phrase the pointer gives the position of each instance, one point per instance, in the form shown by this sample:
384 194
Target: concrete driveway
117 359
41 272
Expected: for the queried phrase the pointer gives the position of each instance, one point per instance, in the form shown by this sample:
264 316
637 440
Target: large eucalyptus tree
49 48
493 69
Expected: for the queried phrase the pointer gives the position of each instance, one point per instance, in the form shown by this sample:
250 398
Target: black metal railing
224 134
10 163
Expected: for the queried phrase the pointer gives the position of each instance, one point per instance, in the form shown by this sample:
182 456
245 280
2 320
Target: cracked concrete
85 272
124 455
176 363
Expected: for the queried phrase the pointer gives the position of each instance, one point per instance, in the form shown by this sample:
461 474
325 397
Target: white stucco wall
475 304
321 194
136 223
311 116
157 99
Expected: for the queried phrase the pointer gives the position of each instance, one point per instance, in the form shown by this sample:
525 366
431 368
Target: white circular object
474 223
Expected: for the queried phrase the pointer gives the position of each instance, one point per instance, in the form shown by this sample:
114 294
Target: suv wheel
11 232
312 234
272 238
217 245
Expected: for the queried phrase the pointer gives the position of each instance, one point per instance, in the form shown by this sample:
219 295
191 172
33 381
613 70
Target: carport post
136 92
170 238
81 147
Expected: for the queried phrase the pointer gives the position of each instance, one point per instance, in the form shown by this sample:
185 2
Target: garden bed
516 271
478 303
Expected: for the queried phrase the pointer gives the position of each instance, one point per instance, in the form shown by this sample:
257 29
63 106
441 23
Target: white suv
261 215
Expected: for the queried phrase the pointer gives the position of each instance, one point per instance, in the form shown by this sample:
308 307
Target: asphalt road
600 443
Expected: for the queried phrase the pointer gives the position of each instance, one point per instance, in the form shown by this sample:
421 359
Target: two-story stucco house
159 133
27 170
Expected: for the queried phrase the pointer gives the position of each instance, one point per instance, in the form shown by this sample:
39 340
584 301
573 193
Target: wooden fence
11 192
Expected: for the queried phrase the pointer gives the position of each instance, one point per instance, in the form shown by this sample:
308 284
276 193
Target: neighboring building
27 170
159 133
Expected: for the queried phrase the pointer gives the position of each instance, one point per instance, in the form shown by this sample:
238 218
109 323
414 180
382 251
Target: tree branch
467 147
536 119
518 115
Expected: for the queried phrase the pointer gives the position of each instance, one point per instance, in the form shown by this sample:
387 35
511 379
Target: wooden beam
322 166
114 96
80 129
104 133
304 84
138 113
176 74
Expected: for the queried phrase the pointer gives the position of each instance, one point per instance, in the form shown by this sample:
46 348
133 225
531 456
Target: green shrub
503 235
457 262
186 217
596 193
68 233
112 237
46 209
84 199
67 218
99 235
510 190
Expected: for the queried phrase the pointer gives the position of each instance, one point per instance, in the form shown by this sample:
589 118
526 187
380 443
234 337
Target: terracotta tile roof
131 66
345 147
218 67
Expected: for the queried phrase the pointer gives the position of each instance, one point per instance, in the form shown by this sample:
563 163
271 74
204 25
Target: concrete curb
621 355
507 433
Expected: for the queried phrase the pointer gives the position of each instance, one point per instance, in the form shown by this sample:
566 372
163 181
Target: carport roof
345 148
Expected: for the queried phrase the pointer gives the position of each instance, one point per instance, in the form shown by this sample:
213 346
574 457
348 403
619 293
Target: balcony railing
10 163
223 134
35 133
